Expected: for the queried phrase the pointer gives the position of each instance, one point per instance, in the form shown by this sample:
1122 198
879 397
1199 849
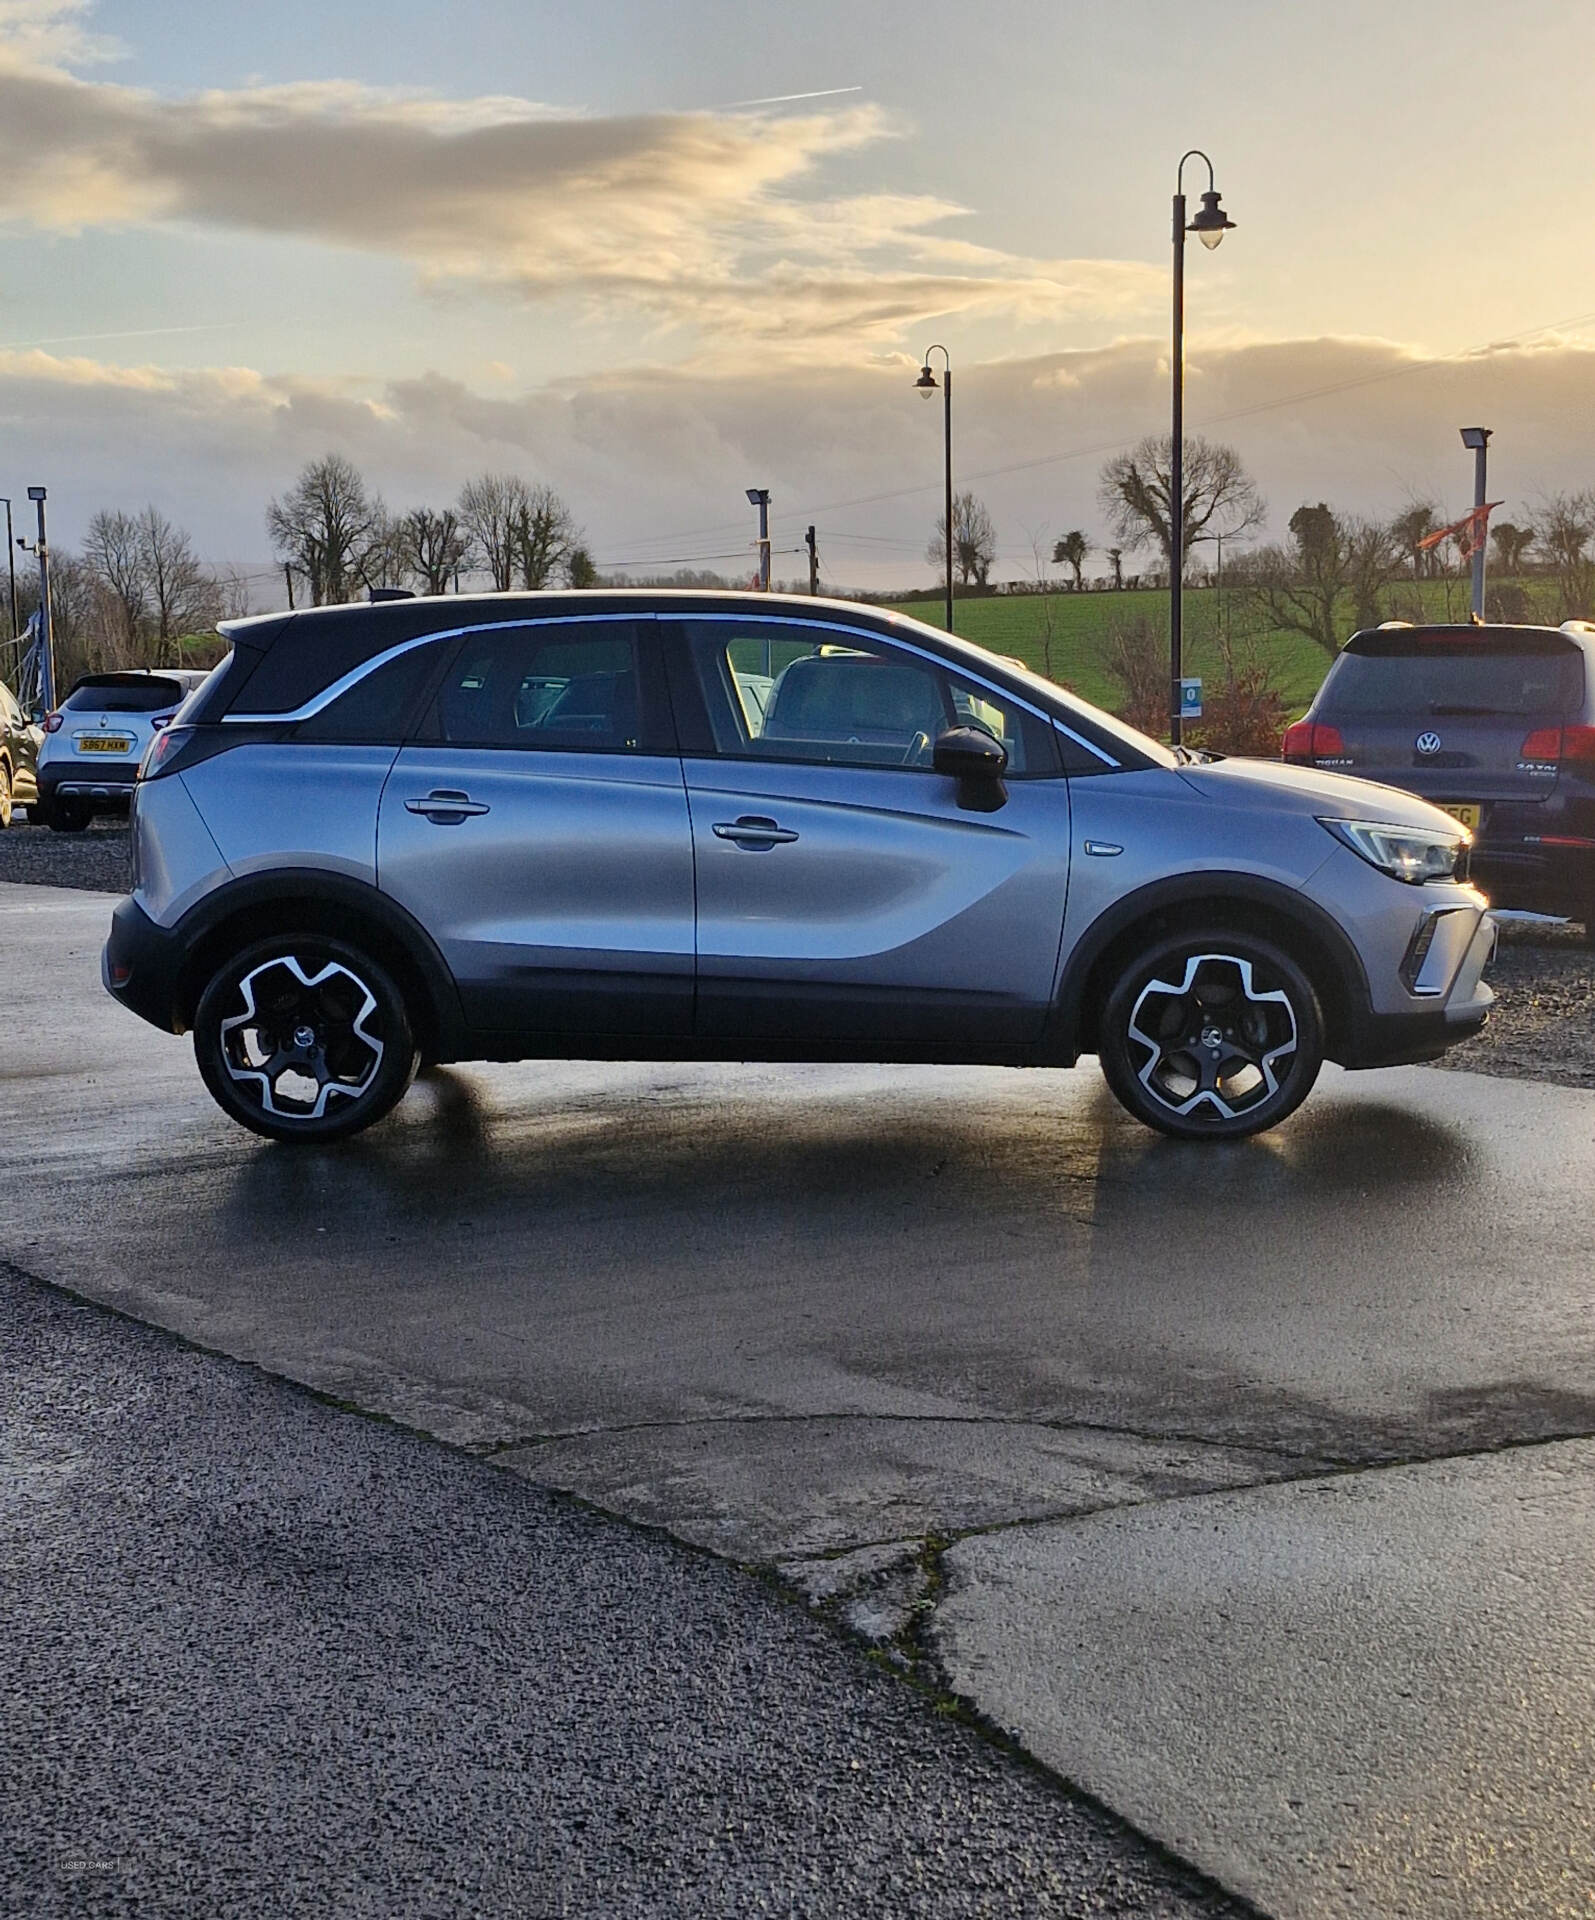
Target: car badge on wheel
1428 743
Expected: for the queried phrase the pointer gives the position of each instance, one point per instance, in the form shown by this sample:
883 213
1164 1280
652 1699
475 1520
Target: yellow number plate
1469 812
106 744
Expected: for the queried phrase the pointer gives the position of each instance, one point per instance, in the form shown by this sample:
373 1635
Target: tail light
1312 740
53 722
1560 743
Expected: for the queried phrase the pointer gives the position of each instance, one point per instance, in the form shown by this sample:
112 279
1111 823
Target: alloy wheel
1217 1044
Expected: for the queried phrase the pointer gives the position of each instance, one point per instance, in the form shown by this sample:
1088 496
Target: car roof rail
1384 626
1578 626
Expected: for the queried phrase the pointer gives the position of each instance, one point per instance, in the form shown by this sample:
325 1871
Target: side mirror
977 761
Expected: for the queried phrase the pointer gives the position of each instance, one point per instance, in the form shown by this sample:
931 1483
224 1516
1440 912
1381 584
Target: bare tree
1301 588
1564 525
324 525
183 596
1219 497
1071 551
382 559
113 550
232 593
434 546
490 510
543 536
974 540
1116 561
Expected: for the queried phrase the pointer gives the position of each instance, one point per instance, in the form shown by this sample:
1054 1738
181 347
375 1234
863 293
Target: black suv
1496 725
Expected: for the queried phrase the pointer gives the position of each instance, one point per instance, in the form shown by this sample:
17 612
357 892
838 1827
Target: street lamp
1478 438
1210 226
11 559
926 384
760 497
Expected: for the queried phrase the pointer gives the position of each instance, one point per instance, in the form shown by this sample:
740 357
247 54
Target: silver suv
743 827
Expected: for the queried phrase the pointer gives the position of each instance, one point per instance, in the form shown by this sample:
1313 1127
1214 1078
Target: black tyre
67 814
304 1037
1211 1036
5 795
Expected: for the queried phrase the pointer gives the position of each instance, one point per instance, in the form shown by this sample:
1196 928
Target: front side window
557 687
778 691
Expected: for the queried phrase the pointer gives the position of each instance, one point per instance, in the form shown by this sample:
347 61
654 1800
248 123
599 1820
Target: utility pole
814 562
1478 438
11 561
46 636
760 497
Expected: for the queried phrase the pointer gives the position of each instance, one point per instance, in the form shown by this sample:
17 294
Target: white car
95 739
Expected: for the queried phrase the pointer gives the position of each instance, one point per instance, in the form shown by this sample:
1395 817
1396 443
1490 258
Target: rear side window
1460 682
378 708
152 695
567 686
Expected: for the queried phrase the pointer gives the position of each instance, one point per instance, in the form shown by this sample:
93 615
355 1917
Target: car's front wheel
1211 1036
304 1037
5 795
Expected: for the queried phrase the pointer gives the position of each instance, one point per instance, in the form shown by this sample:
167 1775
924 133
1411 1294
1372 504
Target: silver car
654 825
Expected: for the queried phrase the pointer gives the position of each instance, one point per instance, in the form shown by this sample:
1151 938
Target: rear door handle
752 830
446 807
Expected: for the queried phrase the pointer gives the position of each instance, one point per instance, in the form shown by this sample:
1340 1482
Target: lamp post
46 633
1209 226
926 384
11 562
760 497
1478 438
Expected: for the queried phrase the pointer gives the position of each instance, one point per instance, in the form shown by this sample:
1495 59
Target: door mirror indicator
977 761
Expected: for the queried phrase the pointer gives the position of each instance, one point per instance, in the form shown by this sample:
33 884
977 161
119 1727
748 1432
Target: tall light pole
1478 438
11 562
1209 226
46 637
760 497
926 384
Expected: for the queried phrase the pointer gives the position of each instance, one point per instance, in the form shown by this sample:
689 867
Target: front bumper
1445 966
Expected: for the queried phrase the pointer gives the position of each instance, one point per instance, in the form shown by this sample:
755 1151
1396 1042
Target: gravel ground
1543 1027
266 1656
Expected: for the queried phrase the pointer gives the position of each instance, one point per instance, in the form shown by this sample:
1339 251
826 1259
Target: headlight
1413 854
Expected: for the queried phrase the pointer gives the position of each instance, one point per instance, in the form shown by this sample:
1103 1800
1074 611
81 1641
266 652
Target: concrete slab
1367 1695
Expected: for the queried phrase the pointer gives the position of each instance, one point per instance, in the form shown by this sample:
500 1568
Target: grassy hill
1083 625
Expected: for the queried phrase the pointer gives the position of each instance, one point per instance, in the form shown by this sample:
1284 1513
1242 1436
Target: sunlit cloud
719 226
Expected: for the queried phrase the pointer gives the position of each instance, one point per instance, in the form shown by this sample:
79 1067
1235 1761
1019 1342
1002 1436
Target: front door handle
446 806
752 830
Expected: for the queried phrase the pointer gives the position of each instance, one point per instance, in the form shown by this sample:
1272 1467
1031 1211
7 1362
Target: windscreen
1463 682
153 695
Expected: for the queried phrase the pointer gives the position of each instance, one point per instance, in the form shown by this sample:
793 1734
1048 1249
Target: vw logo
1428 743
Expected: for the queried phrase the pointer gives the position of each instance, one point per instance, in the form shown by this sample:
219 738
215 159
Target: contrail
125 333
783 99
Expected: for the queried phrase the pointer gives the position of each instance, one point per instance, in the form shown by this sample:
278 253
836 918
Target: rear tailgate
1462 718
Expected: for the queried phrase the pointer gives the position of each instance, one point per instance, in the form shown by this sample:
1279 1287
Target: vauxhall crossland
668 825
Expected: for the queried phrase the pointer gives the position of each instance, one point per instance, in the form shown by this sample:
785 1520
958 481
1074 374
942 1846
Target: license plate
1469 812
105 743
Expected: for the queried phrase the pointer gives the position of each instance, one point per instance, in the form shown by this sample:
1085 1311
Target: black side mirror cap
977 761
970 753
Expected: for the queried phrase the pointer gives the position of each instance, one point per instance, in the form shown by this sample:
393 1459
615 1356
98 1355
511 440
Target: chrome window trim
908 646
356 674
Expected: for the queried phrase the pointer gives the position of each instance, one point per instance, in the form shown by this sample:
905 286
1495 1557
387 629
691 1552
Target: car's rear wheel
304 1037
5 795
1211 1036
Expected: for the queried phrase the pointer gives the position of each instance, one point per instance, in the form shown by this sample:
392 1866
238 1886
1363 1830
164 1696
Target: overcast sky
583 241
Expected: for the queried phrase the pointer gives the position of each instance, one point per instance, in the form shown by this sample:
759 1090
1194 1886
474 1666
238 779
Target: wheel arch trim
1347 1001
440 1018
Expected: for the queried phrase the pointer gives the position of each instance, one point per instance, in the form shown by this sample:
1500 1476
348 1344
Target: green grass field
1083 626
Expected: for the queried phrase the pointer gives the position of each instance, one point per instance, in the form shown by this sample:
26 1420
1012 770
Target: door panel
885 911
565 905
